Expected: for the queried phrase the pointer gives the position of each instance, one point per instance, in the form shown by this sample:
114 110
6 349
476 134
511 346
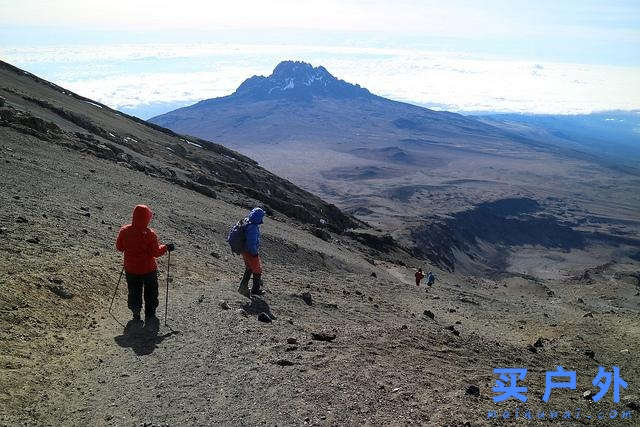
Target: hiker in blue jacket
431 279
251 255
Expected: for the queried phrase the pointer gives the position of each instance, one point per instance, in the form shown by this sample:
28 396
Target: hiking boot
257 284
243 289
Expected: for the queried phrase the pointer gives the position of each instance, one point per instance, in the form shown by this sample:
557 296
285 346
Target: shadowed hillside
35 107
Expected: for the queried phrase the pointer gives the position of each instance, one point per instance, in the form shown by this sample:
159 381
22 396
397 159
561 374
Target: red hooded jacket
139 243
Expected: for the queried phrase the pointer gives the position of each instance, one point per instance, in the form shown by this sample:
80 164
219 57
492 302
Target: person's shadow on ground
142 338
258 305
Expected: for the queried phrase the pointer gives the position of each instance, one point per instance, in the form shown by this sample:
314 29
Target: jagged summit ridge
298 80
301 73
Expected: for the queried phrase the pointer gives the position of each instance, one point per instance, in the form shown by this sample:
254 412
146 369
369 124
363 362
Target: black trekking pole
114 297
116 291
166 299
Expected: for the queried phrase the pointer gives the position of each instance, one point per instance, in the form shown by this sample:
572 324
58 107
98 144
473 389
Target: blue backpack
237 237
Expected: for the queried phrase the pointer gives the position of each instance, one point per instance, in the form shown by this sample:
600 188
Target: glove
171 247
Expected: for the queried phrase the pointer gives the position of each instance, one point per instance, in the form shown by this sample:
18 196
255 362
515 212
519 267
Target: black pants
136 284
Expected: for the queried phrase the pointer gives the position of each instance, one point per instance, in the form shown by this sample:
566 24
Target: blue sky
493 55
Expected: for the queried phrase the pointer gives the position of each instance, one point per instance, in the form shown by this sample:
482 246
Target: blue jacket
252 231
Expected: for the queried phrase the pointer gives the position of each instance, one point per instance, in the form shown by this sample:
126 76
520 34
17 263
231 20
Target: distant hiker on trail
419 276
431 279
140 246
244 238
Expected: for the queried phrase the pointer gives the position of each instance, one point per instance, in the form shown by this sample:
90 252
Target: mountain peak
288 68
298 80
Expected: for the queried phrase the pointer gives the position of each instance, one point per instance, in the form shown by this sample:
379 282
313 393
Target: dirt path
387 364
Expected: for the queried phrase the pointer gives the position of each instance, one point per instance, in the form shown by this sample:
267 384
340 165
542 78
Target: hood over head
142 215
256 216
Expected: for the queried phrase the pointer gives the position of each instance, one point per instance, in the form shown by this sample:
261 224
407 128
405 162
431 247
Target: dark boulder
473 390
323 336
306 297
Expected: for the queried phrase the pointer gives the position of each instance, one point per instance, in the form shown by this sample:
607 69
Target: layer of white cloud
132 75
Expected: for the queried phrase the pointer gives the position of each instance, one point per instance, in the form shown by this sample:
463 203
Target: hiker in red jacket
419 276
140 246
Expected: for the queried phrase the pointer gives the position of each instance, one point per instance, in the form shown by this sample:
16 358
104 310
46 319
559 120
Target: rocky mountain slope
351 339
35 107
